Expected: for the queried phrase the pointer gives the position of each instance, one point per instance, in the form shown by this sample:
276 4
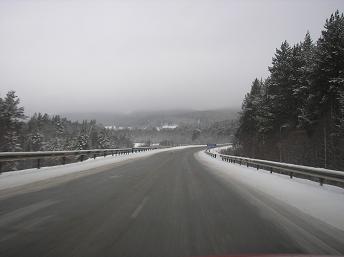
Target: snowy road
173 203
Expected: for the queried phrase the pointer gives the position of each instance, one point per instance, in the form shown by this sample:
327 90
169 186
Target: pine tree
328 82
103 139
11 121
280 87
82 141
251 120
36 141
303 92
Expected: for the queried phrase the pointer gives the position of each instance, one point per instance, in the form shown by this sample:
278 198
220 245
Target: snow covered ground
325 203
218 149
23 177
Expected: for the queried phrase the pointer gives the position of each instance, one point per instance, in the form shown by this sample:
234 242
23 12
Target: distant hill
157 118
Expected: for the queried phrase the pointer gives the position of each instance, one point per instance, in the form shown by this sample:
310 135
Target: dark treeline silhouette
296 115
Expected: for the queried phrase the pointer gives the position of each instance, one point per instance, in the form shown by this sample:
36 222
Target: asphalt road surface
165 205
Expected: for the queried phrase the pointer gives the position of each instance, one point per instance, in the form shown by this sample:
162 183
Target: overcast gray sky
129 55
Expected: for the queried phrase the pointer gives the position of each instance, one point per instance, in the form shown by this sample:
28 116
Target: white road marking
139 208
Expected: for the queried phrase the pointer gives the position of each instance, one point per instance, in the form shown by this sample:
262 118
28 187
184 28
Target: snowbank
23 177
219 148
325 203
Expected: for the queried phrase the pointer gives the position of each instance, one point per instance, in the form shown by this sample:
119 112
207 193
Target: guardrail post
94 156
38 163
271 170
291 174
81 158
63 160
112 153
104 153
321 181
257 167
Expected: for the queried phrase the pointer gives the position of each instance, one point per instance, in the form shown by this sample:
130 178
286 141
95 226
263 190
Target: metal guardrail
319 173
20 156
210 153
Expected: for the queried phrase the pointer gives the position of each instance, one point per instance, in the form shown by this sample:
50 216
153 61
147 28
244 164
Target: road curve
165 205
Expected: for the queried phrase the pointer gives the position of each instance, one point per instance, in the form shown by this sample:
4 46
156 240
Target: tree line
214 132
43 132
296 114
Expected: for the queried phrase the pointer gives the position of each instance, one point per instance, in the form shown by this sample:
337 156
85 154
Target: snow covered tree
59 128
252 122
36 141
280 87
301 106
195 134
328 82
302 91
11 121
103 140
82 140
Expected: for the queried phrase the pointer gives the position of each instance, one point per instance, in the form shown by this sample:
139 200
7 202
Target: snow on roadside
218 149
325 203
23 177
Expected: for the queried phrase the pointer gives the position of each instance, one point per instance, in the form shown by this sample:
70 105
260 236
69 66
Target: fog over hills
202 118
